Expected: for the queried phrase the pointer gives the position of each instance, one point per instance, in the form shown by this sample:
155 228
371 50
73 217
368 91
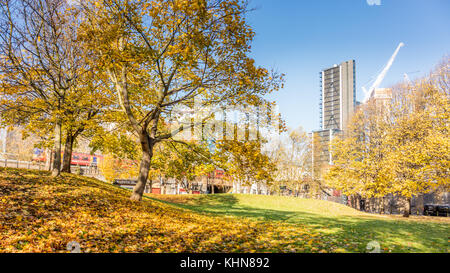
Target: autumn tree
162 54
320 162
186 162
292 155
245 162
84 111
360 166
419 156
113 168
46 84
19 146
399 147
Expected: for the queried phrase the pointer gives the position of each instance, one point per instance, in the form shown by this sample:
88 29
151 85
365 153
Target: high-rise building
382 97
338 95
321 154
337 104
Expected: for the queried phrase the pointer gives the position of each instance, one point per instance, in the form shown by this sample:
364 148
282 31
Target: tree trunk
144 168
407 207
67 157
163 185
383 205
48 159
419 204
356 203
56 169
186 185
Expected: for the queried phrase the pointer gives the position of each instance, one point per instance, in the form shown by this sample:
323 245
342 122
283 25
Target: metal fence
85 170
12 163
91 171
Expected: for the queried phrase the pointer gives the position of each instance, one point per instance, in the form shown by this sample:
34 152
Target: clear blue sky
301 37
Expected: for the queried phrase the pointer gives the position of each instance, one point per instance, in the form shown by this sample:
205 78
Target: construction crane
407 79
369 92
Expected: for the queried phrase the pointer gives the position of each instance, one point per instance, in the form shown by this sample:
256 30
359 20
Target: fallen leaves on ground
39 213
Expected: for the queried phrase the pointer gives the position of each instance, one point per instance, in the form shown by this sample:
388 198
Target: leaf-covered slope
43 214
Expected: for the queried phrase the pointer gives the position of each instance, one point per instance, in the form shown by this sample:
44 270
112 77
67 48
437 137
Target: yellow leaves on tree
245 161
113 168
401 147
159 55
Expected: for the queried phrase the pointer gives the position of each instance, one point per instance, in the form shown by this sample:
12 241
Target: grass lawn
335 223
39 213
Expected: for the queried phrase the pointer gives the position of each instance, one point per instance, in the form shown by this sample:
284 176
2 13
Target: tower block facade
337 105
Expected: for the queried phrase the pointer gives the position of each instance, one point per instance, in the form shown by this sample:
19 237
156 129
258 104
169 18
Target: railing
85 170
32 165
12 163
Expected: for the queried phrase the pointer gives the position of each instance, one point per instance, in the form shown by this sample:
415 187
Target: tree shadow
349 232
397 234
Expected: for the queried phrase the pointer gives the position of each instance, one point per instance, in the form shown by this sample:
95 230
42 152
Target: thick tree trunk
407 207
358 202
56 169
67 157
147 153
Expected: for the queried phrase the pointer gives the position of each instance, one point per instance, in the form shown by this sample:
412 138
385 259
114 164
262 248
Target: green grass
39 213
330 221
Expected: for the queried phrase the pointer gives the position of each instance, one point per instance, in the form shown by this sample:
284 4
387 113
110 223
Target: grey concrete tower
338 95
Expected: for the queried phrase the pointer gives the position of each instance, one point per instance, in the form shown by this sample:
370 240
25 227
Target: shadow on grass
353 231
